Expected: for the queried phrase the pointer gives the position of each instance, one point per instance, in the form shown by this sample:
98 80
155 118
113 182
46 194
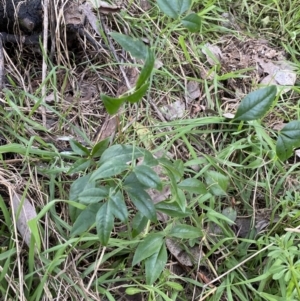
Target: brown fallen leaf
23 215
145 5
175 110
193 91
92 19
158 64
213 54
108 128
181 255
279 73
144 134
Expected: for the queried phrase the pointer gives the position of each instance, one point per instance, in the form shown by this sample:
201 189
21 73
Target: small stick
44 66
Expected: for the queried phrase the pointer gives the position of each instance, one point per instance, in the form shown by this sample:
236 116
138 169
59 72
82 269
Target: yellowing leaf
144 134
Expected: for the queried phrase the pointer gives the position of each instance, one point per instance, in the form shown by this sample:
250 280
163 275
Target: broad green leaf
111 104
182 5
141 199
85 219
138 224
148 177
77 187
288 139
118 206
99 148
172 209
108 169
284 147
80 185
174 8
193 185
149 160
80 165
174 170
147 69
185 231
217 182
132 180
138 94
133 291
217 217
151 243
192 22
93 195
292 130
104 223
155 264
174 285
179 166
230 213
121 153
180 199
136 47
78 148
256 104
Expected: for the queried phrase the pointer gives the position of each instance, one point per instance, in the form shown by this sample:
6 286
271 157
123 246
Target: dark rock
24 14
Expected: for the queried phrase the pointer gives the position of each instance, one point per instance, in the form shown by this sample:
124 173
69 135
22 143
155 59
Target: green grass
233 166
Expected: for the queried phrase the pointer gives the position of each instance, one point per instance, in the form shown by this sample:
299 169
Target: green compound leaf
288 139
80 165
78 148
85 219
104 223
121 153
136 47
141 199
77 187
99 148
172 209
93 195
256 104
148 247
193 185
148 177
192 22
174 8
154 265
118 206
108 169
185 231
217 182
138 224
